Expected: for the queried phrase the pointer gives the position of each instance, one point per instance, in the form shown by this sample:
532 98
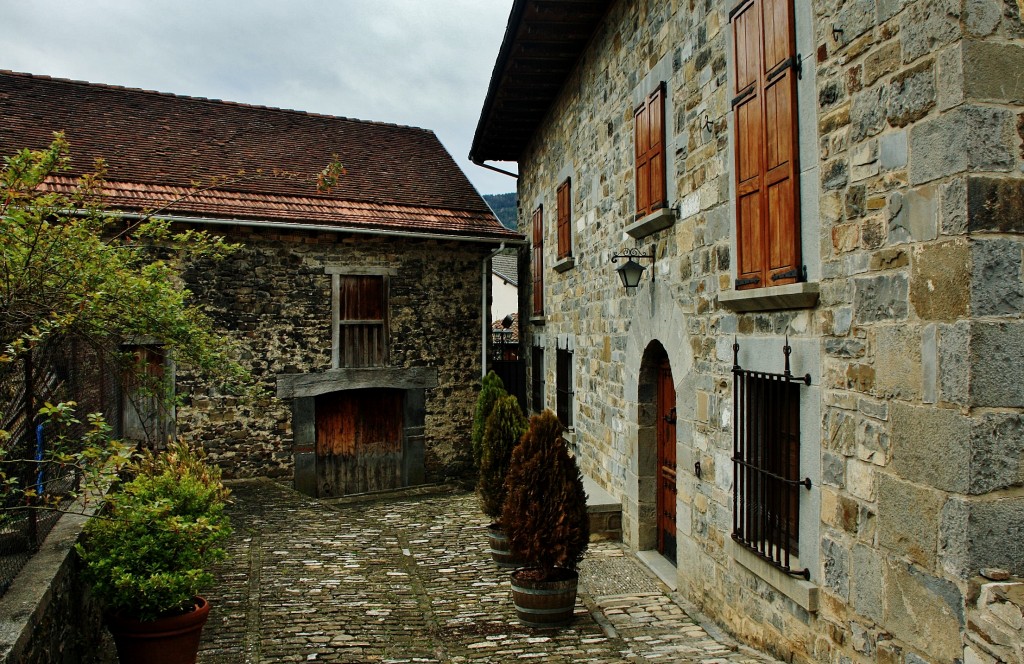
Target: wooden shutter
564 219
538 261
649 128
363 321
765 118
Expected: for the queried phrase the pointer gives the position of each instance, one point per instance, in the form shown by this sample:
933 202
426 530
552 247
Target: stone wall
273 298
911 208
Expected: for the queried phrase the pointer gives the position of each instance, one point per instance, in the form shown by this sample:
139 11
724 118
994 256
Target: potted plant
146 557
491 390
505 426
545 516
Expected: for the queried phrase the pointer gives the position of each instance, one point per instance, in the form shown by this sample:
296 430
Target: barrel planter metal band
544 603
501 552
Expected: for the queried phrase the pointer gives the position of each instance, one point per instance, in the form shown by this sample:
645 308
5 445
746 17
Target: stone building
811 406
361 312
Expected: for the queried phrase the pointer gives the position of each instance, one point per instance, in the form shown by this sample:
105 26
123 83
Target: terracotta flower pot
173 640
544 602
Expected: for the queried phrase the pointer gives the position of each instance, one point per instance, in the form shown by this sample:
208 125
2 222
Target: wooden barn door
358 441
666 462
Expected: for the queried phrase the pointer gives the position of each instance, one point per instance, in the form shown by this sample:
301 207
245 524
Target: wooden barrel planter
501 552
546 603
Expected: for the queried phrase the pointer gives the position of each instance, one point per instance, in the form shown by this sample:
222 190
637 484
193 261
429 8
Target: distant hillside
505 208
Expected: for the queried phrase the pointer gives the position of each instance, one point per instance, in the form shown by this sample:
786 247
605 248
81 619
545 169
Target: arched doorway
656 396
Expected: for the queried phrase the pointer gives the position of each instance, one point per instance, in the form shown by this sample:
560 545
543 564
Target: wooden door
358 441
666 462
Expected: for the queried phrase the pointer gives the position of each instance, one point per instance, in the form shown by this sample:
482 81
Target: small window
362 328
537 379
564 220
147 412
649 130
765 112
538 262
766 465
563 386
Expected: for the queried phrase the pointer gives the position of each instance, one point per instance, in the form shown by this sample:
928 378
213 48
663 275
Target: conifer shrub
545 511
505 426
491 390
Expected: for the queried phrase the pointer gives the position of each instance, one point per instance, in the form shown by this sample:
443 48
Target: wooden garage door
358 441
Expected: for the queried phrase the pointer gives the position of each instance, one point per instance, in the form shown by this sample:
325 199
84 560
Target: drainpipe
485 312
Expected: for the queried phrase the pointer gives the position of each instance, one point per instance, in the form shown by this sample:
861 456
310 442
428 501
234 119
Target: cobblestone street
408 578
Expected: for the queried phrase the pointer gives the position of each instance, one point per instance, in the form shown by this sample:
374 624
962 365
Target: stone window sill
652 223
800 591
537 319
564 264
789 296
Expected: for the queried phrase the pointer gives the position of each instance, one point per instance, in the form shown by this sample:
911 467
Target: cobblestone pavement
408 578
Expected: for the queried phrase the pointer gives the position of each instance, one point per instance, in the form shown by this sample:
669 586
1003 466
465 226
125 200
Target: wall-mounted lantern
630 272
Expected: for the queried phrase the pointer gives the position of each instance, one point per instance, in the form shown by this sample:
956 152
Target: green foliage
69 269
505 208
545 511
149 555
71 274
505 426
491 390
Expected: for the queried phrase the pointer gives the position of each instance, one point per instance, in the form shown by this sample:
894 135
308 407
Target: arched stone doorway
656 447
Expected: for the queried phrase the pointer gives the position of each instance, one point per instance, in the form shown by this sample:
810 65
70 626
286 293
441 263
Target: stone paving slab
407 577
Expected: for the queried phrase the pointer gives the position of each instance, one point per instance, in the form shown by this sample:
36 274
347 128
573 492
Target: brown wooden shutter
538 261
363 333
765 118
649 128
564 220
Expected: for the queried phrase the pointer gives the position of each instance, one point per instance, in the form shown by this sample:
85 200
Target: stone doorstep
605 512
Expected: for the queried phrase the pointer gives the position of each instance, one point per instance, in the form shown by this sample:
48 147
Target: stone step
605 512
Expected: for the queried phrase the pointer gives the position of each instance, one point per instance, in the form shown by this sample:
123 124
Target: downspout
496 169
485 316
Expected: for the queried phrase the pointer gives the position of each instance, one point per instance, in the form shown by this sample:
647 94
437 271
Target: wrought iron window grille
563 384
766 463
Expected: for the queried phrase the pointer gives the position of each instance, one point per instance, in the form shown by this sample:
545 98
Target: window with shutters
537 266
564 219
649 130
765 68
537 379
360 312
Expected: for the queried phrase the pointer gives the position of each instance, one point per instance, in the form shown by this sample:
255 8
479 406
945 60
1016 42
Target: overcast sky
424 63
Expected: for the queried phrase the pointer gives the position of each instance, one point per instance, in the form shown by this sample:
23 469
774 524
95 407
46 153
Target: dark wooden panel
359 437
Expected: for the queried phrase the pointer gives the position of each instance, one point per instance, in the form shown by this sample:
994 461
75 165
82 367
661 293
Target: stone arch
657 331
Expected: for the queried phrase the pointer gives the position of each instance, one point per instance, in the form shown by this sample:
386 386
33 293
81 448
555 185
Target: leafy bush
545 511
505 426
148 555
492 389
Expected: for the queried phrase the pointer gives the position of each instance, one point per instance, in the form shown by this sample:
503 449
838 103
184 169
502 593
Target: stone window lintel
800 591
658 220
789 296
564 264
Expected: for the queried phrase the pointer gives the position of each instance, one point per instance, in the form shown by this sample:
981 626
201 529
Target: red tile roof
157 145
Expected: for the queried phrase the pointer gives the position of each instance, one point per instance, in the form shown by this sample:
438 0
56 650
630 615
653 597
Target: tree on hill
505 207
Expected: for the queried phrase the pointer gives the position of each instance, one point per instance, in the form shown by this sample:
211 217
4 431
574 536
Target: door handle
671 417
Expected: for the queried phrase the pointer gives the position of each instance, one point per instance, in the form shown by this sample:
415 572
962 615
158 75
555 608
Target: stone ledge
790 296
564 264
27 602
652 223
800 591
538 320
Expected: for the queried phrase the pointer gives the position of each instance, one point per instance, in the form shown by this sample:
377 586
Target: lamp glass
630 273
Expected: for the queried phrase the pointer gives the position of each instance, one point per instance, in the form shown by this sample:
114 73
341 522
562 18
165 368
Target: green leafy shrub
505 426
545 511
148 555
491 390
